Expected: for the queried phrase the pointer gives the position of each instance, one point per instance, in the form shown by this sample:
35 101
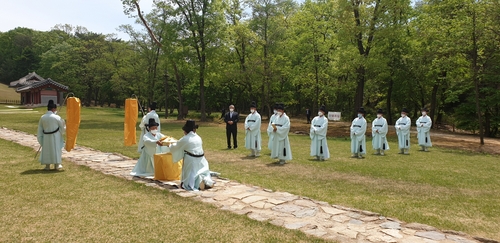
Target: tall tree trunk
434 101
389 100
475 71
166 93
358 99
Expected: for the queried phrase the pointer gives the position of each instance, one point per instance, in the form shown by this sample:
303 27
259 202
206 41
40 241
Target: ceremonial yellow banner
72 122
131 113
165 169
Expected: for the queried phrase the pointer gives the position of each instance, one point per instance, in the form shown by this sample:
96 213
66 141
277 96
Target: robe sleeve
323 129
282 131
148 141
62 125
354 130
363 128
143 122
270 127
40 132
383 131
256 124
177 149
407 126
246 122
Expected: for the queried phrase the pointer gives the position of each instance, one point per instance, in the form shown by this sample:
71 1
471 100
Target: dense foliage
206 54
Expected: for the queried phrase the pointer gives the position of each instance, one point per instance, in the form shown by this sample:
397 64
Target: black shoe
235 147
229 147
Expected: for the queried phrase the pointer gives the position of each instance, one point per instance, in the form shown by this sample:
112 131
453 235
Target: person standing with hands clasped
402 126
253 139
281 145
424 124
231 119
379 133
358 139
318 131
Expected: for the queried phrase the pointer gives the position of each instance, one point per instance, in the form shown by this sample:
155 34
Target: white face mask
231 110
275 112
252 110
360 115
154 131
378 115
320 113
279 113
403 115
424 113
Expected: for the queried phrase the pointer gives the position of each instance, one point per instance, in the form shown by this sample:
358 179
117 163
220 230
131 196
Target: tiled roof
28 79
41 84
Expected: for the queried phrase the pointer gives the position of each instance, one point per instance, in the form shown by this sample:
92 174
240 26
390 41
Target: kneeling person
195 172
152 143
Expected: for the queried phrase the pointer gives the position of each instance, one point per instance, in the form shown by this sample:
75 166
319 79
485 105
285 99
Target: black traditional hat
253 105
405 110
323 109
361 110
152 106
152 123
280 106
189 126
51 105
380 111
424 109
275 105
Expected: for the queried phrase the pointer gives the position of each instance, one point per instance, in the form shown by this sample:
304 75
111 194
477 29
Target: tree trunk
358 99
166 94
389 101
475 71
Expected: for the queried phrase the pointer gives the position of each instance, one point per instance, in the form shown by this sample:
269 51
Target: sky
100 16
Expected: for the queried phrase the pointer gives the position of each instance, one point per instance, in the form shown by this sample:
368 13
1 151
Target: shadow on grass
40 171
247 157
273 164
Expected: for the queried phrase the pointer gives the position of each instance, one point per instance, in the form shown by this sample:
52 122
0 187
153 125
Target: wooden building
37 91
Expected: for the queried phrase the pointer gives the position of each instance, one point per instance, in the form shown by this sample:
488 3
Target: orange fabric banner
129 128
72 122
165 169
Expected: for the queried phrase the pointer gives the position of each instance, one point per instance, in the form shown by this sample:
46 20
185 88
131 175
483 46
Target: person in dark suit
231 120
308 114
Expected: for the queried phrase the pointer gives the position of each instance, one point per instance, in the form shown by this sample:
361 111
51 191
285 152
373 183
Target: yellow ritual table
166 169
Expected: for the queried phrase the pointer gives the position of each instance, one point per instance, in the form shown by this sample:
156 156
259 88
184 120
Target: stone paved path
312 217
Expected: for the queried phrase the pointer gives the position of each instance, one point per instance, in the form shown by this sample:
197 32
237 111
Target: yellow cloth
73 122
131 113
166 169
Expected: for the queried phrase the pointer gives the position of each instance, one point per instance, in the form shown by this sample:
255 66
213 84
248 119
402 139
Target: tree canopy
207 54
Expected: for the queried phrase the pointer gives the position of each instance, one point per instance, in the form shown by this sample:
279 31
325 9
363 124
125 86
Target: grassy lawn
449 189
81 205
7 93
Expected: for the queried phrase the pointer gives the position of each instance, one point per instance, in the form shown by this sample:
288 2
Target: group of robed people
195 173
380 129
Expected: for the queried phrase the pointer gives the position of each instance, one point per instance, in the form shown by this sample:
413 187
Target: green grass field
7 93
448 189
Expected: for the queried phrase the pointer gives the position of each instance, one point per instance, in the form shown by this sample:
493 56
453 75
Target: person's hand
159 143
275 129
421 125
376 131
248 129
230 122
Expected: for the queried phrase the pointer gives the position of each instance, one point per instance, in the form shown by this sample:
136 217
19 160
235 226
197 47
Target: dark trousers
231 130
308 118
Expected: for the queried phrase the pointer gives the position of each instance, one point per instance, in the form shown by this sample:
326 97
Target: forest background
207 54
